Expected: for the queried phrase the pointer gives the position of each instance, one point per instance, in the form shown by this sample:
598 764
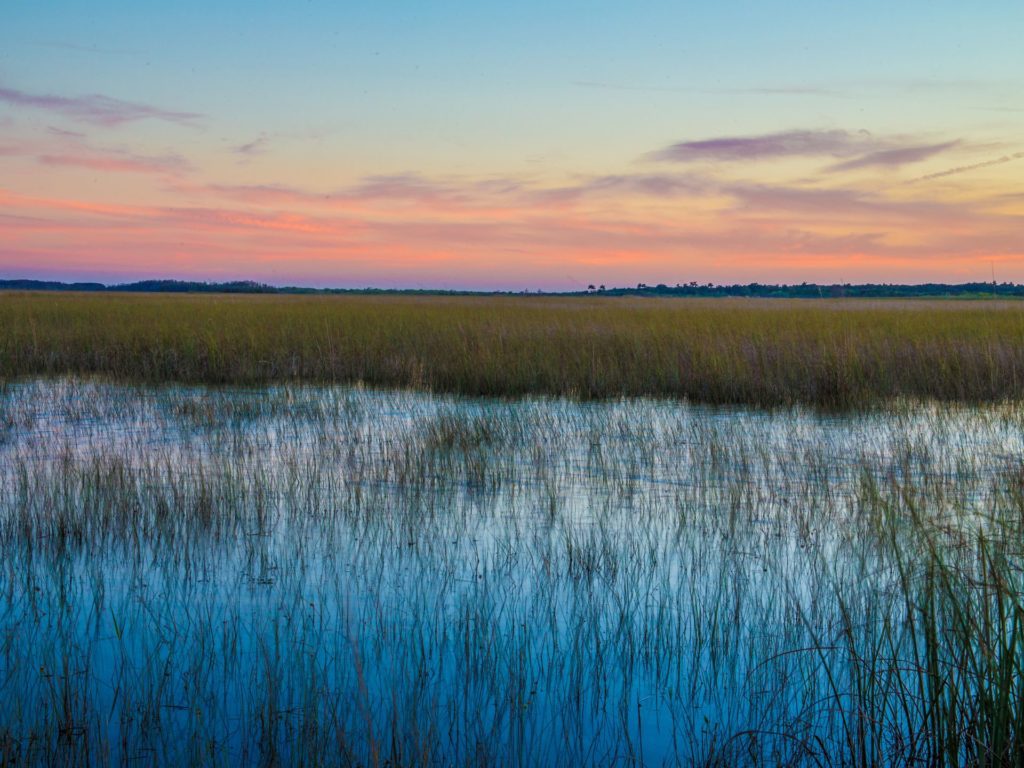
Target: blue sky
321 97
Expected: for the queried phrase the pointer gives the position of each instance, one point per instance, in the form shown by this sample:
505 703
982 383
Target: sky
520 146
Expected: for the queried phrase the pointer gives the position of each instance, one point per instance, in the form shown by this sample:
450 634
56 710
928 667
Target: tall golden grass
769 352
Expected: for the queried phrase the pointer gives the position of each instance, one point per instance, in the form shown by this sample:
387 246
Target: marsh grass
306 575
834 354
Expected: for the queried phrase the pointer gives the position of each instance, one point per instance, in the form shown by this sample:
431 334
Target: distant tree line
693 289
817 290
151 286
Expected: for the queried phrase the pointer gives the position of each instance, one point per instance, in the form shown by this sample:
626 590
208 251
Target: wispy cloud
461 194
257 146
893 158
57 147
409 189
266 194
842 204
64 133
95 108
119 161
812 143
642 184
854 149
971 167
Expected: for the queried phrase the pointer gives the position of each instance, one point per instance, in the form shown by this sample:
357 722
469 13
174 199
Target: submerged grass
833 354
335 576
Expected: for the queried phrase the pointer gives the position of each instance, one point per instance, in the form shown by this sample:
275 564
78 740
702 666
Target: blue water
354 576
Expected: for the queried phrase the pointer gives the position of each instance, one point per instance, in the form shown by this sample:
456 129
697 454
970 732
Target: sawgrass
833 354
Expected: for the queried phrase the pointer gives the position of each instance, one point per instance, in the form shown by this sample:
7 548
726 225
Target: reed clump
831 354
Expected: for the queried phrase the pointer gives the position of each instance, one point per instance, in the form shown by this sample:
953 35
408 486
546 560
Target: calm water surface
342 575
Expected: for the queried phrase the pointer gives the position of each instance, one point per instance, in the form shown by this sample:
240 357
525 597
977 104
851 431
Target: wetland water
348 576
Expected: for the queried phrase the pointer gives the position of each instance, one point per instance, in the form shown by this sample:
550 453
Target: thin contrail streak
965 168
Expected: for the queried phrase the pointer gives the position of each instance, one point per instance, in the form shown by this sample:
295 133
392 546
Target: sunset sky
512 145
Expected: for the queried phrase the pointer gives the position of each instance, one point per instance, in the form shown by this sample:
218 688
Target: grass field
834 354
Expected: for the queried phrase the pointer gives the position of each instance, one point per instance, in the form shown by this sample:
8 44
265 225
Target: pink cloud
119 162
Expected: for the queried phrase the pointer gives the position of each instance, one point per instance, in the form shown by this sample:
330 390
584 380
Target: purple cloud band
770 145
891 158
861 147
95 108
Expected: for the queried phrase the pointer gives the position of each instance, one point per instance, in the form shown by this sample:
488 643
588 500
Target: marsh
841 355
344 575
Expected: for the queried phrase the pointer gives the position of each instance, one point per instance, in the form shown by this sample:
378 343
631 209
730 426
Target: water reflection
344 575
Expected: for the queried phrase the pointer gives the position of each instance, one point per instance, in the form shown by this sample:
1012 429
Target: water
339 575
